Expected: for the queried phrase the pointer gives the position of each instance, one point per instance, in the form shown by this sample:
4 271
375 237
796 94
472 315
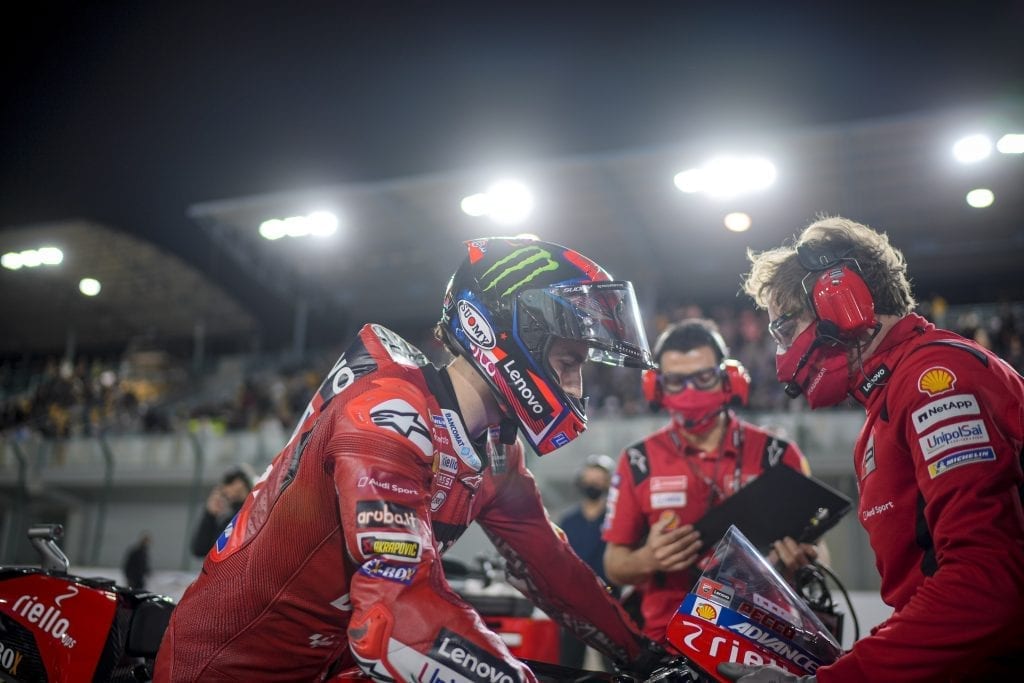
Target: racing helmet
505 305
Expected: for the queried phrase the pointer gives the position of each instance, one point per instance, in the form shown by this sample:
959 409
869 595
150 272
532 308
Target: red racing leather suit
663 474
336 553
939 468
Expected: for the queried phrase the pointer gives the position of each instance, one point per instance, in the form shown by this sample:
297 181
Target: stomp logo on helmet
515 265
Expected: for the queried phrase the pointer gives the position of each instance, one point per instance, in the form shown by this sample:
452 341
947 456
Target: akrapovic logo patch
402 547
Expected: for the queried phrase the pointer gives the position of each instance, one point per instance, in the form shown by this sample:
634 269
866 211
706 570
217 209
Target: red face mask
695 410
814 368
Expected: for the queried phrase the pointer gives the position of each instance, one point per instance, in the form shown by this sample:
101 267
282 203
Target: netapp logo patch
943 409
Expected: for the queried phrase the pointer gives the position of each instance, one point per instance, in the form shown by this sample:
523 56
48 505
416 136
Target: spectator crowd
60 398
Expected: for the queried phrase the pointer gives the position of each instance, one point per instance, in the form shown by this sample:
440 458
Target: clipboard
780 502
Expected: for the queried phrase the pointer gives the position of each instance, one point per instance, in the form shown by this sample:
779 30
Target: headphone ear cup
842 303
737 382
651 387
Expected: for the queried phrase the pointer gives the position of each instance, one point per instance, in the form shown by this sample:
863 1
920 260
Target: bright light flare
1011 143
972 149
89 286
506 202
725 177
737 221
32 258
316 224
980 198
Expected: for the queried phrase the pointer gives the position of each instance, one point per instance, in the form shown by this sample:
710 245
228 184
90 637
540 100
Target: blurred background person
224 501
136 563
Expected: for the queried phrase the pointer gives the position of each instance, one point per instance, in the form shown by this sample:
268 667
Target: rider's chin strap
508 428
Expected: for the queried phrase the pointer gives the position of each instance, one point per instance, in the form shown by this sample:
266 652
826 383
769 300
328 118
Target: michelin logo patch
954 460
953 436
932 413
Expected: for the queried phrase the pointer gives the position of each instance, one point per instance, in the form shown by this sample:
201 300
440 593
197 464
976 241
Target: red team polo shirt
939 468
662 474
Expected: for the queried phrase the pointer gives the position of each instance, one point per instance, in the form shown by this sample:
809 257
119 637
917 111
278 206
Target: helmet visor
604 315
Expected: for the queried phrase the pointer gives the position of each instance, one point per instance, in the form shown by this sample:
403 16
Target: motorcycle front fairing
741 610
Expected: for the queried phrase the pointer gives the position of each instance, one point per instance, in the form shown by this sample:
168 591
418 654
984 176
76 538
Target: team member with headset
938 460
669 480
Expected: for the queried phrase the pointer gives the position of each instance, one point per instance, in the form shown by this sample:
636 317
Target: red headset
735 378
839 297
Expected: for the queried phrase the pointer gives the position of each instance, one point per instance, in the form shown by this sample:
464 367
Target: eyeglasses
674 382
783 327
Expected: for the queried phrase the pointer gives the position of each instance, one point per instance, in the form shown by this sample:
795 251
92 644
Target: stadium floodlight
980 198
316 224
972 148
89 286
50 256
1011 143
32 258
737 221
506 202
725 177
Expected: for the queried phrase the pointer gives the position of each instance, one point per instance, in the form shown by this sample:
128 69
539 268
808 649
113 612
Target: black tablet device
781 502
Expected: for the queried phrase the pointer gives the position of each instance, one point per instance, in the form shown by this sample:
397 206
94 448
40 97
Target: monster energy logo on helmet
515 265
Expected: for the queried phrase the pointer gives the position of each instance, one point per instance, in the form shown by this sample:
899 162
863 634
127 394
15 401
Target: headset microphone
791 388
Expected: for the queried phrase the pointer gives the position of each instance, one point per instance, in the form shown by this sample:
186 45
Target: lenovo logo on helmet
475 325
522 385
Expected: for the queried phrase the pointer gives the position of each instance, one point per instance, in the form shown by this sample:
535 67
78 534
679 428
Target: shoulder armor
400 351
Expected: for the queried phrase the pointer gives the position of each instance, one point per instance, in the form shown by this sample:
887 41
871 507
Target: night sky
127 113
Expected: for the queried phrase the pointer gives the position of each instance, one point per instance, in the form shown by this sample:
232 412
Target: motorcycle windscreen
741 610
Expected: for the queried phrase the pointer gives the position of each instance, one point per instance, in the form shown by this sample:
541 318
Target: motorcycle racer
334 558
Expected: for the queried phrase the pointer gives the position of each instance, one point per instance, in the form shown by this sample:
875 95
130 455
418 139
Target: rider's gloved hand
652 662
761 674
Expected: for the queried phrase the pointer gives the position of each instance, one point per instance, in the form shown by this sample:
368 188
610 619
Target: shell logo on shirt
935 381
